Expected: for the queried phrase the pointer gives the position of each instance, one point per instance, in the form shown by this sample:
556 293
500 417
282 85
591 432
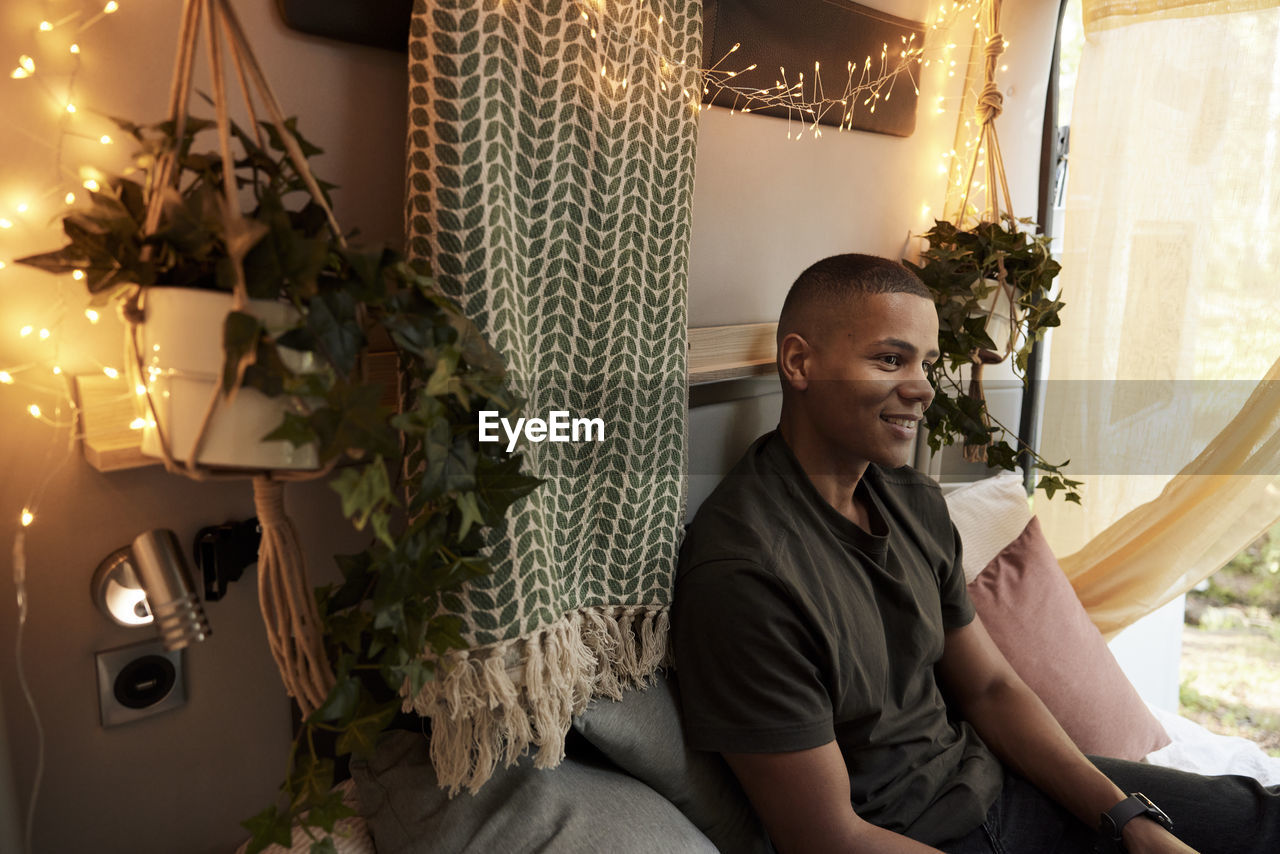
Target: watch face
1154 812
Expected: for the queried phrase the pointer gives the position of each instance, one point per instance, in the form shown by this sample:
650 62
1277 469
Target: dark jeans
1214 815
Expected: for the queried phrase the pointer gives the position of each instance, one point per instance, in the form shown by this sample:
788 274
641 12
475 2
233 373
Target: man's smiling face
869 386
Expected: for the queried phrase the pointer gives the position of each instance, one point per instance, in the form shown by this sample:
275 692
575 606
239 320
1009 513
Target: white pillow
989 514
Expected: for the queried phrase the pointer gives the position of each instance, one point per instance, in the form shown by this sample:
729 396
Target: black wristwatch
1137 804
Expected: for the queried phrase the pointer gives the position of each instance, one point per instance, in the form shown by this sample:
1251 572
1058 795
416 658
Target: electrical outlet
138 681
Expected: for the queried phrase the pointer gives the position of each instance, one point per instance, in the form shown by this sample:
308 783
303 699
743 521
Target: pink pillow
1033 615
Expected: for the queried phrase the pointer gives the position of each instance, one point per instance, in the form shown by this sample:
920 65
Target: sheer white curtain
1165 377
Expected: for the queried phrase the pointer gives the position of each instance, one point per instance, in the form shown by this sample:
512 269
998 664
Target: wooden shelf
718 353
106 409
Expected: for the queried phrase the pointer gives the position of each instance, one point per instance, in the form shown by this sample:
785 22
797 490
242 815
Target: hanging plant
991 281
418 479
250 219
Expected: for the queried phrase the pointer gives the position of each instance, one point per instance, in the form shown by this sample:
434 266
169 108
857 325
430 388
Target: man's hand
803 799
1015 724
1144 836
1025 736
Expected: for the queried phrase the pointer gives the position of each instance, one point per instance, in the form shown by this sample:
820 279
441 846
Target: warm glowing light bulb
34 410
3 265
140 389
92 315
57 370
44 333
25 331
6 378
137 424
4 223
104 139
78 275
110 7
111 372
75 48
71 108
45 26
23 207
69 198
27 64
27 517
91 185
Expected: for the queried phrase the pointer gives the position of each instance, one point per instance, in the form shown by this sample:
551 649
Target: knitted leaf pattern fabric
551 155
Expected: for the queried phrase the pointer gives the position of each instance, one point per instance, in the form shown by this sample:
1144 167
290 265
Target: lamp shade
179 617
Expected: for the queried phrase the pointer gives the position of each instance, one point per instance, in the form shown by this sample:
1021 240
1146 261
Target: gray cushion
643 736
577 807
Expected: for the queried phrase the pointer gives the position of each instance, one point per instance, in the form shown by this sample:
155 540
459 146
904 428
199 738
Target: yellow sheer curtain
1164 381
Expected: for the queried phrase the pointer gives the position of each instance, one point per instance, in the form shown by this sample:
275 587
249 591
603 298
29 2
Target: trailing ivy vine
414 476
962 267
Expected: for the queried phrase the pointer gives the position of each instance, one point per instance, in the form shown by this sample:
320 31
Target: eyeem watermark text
558 427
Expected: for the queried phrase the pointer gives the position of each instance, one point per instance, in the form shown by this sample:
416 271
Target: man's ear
795 360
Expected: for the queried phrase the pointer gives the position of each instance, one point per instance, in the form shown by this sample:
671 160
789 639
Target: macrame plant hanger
990 105
285 596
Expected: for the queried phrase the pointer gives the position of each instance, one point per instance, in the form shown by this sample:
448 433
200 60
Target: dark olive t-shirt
792 626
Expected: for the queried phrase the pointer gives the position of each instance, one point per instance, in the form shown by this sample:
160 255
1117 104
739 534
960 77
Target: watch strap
1136 804
1114 819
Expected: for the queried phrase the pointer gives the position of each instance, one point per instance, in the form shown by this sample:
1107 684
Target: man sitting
826 645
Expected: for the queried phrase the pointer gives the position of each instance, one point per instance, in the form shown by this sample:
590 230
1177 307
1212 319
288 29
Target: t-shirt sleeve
749 667
957 607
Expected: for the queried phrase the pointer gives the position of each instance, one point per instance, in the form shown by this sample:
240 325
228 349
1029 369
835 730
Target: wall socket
138 681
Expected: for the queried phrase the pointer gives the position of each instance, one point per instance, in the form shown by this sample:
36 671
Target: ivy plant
962 268
415 477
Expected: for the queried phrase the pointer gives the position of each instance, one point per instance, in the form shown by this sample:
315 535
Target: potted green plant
991 281
416 476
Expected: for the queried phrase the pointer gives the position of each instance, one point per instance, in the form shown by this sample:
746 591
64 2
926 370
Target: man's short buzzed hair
827 285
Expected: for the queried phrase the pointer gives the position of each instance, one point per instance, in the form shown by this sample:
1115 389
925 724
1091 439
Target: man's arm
1023 733
803 799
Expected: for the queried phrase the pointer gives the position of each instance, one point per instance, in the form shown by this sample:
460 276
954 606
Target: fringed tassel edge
494 703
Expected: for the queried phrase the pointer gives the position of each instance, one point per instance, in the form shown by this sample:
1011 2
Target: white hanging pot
180 343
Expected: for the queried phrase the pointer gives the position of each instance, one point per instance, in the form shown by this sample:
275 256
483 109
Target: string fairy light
54 64
618 32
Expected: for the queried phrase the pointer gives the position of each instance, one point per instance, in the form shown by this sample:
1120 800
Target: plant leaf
240 333
269 827
365 490
470 513
361 735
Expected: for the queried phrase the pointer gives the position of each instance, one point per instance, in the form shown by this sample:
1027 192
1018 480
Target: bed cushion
578 806
1033 615
642 734
989 514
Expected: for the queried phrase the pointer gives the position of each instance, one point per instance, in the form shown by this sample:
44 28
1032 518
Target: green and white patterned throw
550 185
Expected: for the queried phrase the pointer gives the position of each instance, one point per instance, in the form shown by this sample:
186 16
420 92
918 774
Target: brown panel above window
795 34
378 23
